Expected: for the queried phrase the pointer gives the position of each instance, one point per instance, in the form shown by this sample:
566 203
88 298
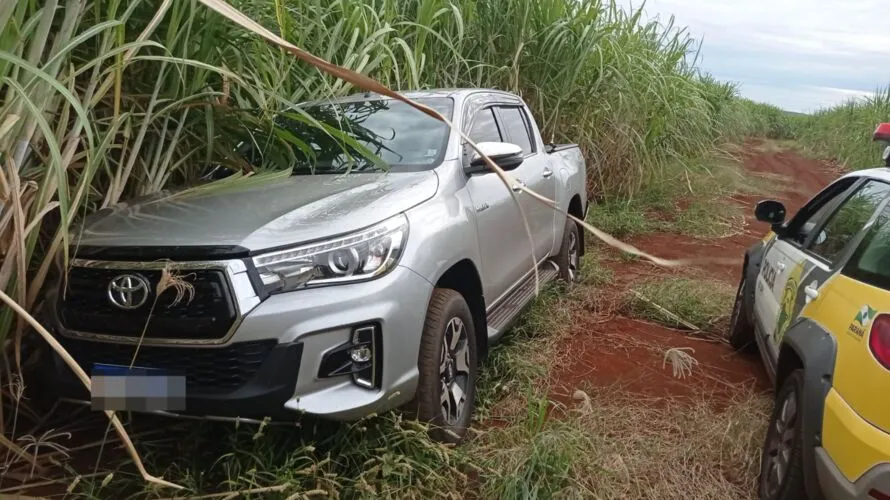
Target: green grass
381 456
701 186
709 219
703 303
623 218
843 133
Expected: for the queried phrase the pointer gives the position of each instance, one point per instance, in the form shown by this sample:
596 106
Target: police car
814 298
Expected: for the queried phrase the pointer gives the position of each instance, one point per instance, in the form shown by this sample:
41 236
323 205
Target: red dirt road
609 350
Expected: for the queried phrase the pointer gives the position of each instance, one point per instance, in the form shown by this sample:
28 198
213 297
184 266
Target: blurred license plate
121 388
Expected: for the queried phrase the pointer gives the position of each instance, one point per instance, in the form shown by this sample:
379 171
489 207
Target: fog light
360 354
359 358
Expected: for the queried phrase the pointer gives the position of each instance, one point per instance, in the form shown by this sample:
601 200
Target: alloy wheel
574 258
454 371
781 444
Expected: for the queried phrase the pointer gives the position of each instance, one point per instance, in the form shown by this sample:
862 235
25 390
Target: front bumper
278 349
854 458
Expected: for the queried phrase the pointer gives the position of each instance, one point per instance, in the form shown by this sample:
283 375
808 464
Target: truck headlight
363 255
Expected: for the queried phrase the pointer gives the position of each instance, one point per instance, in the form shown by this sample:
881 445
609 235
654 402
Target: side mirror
770 211
505 155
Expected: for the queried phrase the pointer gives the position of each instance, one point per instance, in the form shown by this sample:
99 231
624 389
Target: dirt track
610 349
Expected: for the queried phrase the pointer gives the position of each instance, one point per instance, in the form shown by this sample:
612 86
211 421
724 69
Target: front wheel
741 333
447 365
781 462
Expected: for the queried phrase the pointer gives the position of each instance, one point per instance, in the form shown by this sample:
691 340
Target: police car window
849 219
485 128
817 210
870 262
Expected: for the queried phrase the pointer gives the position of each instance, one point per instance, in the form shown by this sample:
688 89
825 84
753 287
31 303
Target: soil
609 349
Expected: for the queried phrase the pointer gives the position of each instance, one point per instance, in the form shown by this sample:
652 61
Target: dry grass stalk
169 279
50 482
46 440
681 361
85 380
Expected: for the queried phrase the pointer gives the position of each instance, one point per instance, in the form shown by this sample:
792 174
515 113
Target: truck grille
86 307
207 370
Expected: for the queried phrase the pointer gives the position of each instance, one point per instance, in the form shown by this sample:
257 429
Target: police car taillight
879 339
882 132
877 495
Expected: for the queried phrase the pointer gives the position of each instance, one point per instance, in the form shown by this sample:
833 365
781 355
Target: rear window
870 262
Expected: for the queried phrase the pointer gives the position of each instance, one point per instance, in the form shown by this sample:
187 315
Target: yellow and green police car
815 299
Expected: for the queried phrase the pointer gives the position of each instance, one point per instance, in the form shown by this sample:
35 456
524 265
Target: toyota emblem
128 291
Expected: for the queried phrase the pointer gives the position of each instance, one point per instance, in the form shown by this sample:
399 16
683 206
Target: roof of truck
456 93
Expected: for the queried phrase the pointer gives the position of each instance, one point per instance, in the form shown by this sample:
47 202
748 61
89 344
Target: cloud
797 54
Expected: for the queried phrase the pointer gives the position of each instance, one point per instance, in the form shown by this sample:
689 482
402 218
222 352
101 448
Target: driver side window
816 211
485 127
849 219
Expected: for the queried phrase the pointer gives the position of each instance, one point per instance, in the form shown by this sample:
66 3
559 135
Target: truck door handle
518 185
811 292
547 172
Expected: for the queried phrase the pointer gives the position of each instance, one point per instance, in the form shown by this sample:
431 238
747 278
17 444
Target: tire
440 367
741 332
783 445
569 257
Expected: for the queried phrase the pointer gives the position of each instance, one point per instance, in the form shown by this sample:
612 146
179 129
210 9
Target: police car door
785 264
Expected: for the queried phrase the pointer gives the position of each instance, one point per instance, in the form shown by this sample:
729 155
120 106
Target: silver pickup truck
349 291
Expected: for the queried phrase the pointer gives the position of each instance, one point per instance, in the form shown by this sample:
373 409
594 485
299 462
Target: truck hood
270 214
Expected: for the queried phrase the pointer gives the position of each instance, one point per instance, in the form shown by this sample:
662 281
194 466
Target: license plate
122 388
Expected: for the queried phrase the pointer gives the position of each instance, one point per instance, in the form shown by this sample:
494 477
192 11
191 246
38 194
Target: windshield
403 137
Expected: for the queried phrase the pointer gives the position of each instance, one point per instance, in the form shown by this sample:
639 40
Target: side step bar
505 313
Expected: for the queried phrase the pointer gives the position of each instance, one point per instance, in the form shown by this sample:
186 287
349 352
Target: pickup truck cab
340 291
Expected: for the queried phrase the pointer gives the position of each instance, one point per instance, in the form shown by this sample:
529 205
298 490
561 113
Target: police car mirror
770 211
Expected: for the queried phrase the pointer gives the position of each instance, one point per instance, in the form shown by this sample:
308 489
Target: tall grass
761 120
843 133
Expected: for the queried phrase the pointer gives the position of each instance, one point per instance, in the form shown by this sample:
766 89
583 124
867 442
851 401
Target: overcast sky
797 54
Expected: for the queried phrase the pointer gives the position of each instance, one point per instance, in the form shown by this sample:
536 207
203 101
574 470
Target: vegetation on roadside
683 302
843 133
690 200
